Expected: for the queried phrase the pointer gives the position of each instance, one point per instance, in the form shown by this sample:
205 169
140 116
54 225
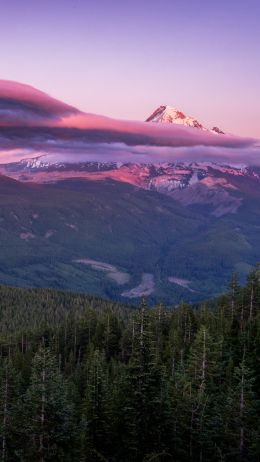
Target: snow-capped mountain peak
168 114
171 115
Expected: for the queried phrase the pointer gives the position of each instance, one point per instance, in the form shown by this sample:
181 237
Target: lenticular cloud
33 122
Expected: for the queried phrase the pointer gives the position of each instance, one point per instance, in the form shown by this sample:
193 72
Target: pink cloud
158 134
31 121
24 105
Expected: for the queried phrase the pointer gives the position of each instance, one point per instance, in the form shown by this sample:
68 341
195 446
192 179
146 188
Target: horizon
107 58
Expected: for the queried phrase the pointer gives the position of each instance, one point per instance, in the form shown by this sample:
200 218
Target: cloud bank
23 105
33 123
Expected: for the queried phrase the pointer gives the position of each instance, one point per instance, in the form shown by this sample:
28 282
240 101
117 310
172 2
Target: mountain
188 183
120 208
170 115
121 231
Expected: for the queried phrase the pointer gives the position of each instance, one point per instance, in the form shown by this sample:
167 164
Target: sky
123 58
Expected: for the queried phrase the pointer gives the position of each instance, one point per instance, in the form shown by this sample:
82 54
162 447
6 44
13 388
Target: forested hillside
117 241
83 379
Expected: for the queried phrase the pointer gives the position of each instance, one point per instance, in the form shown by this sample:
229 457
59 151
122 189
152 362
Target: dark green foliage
45 412
87 380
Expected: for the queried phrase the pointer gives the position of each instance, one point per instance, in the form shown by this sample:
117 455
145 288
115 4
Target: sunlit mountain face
166 207
170 115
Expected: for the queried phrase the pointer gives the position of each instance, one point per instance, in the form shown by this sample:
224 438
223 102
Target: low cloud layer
32 123
74 152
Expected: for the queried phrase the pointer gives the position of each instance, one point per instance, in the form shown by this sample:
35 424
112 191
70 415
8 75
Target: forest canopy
86 379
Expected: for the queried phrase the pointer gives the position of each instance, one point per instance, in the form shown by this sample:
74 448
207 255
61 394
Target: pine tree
46 420
233 293
9 392
200 376
146 408
241 411
95 419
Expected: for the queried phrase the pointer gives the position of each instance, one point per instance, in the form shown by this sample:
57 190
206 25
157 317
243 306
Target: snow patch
49 233
120 277
70 225
27 236
181 282
146 287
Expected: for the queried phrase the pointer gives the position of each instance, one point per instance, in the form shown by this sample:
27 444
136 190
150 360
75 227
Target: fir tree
46 419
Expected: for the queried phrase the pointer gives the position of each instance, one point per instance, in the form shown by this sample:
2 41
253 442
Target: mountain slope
111 239
189 183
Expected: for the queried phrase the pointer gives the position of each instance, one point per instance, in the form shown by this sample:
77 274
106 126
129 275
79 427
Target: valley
102 236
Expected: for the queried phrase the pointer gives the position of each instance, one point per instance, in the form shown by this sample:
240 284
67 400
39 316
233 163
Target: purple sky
124 58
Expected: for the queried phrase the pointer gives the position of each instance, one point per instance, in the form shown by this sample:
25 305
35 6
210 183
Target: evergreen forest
89 380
